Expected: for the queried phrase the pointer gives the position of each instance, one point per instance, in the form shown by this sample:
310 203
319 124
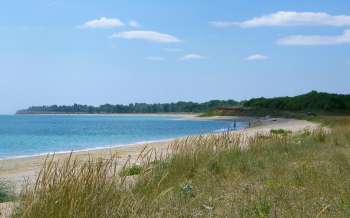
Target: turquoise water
29 135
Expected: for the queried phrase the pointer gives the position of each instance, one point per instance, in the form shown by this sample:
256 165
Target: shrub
131 171
280 131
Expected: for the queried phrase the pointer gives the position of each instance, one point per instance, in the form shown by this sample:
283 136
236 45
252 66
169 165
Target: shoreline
108 114
114 146
186 116
195 116
14 171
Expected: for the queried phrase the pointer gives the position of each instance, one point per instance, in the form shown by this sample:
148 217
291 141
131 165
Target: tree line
312 101
189 107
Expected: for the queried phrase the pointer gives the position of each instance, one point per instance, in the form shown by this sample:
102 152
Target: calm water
33 135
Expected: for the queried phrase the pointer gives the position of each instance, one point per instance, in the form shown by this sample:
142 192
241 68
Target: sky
125 51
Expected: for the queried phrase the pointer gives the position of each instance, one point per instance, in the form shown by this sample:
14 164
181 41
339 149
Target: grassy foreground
5 193
280 175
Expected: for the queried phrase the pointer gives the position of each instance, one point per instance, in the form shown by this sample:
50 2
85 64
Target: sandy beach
15 170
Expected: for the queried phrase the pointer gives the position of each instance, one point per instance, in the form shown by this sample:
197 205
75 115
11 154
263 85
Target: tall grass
5 192
279 175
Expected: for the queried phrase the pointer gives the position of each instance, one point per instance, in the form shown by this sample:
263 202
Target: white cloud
147 35
290 18
316 39
256 57
134 24
103 22
154 58
192 57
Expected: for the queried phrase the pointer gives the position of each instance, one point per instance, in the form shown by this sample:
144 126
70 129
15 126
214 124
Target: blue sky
94 52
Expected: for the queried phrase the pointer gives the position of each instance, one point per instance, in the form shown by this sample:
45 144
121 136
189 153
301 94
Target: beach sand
14 171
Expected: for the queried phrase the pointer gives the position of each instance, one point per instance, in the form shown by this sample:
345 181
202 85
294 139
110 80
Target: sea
33 135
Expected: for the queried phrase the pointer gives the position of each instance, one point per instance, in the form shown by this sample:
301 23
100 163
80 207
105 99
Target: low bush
131 171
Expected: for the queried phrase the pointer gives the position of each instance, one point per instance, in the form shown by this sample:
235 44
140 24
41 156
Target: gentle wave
222 130
86 149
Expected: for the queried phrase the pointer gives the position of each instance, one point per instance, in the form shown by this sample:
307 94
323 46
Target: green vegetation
313 101
257 112
300 106
5 193
278 175
280 131
131 171
179 107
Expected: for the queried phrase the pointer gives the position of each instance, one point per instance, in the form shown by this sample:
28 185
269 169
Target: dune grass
280 175
5 193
